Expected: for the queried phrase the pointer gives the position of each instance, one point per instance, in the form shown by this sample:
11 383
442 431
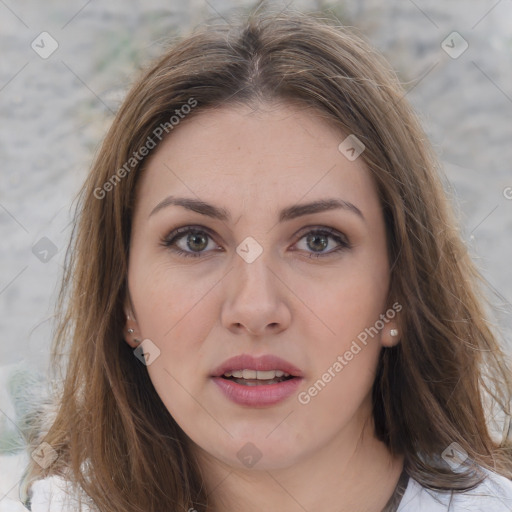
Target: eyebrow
289 213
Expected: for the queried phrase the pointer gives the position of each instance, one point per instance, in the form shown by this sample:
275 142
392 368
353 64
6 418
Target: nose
256 299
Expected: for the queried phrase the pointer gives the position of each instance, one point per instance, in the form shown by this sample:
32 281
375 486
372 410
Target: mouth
249 370
249 377
257 381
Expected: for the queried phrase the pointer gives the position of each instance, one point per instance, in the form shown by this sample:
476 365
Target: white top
494 494
53 495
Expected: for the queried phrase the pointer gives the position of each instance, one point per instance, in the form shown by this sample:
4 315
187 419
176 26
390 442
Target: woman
269 303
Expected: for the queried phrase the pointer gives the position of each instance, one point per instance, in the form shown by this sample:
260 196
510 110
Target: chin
257 453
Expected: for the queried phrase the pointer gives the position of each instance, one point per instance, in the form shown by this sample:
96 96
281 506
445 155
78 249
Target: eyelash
170 240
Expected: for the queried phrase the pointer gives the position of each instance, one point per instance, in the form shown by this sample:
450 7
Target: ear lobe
390 335
131 329
131 333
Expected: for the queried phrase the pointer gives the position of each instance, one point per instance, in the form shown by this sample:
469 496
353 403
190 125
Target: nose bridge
254 297
252 273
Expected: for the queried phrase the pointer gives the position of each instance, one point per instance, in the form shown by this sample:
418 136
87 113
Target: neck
346 474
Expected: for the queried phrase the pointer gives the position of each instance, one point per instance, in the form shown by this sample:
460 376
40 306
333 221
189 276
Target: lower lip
260 395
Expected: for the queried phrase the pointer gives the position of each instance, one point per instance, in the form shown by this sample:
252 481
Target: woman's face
262 275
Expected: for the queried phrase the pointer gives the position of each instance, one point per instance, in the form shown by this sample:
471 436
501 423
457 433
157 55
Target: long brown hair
114 437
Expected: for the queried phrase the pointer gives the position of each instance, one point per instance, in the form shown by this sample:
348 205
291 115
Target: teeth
249 374
269 374
256 374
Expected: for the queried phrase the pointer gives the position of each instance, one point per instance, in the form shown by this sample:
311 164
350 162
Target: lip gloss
261 395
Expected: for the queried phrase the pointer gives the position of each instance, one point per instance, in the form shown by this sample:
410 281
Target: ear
390 335
131 332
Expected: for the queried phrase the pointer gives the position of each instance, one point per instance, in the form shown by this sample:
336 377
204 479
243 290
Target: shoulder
494 494
55 494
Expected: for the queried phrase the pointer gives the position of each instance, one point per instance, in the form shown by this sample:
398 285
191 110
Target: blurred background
65 67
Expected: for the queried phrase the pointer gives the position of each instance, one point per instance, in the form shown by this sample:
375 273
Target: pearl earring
393 332
131 331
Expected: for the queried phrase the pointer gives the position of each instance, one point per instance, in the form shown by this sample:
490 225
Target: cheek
345 357
175 310
177 317
166 297
346 340
346 302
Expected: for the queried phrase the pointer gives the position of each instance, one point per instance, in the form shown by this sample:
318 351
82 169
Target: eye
318 240
192 241
196 239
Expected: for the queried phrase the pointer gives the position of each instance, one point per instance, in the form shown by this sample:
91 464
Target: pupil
195 237
316 237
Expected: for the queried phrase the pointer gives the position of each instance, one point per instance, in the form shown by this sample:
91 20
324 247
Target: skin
199 311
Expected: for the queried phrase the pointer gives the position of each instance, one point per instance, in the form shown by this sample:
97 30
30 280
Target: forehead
275 154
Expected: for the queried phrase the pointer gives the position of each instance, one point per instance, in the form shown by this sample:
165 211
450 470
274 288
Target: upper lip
261 363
